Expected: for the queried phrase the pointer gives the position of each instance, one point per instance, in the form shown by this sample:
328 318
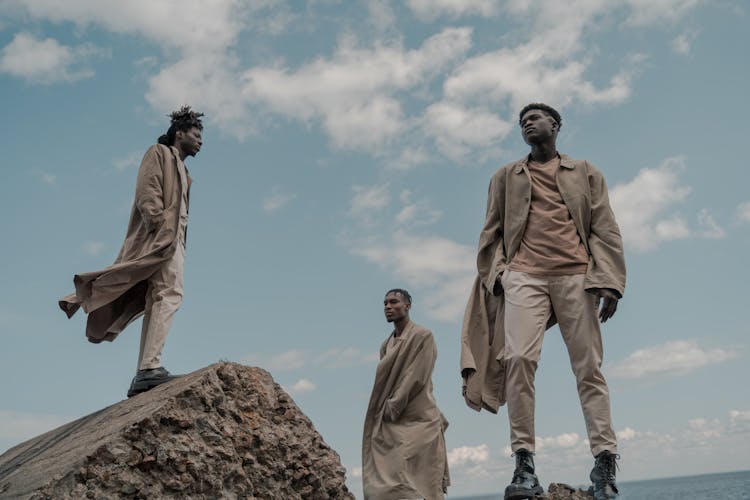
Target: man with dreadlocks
146 277
403 444
550 252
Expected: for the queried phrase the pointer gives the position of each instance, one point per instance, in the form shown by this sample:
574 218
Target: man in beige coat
403 445
550 251
147 275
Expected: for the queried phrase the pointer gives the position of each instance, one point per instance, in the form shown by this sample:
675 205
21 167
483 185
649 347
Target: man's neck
399 326
542 153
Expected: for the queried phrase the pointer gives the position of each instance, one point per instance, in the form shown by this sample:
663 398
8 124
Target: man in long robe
147 275
403 445
550 251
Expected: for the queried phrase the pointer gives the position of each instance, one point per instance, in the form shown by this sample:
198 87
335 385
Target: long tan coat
116 295
584 191
403 445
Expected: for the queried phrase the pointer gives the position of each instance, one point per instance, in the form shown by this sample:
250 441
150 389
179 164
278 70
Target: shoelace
607 465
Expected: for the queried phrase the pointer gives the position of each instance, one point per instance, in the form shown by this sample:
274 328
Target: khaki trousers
529 301
163 298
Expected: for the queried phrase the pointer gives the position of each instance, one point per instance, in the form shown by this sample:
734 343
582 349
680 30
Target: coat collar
565 161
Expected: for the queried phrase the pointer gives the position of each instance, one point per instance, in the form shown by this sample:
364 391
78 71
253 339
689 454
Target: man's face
537 127
189 141
395 307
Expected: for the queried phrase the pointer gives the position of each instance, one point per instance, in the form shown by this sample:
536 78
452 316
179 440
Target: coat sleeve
607 264
491 258
149 189
414 378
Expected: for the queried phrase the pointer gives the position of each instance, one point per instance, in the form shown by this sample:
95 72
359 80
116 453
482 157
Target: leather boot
148 379
525 484
603 476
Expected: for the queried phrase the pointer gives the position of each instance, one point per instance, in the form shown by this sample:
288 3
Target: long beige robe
116 295
403 444
584 191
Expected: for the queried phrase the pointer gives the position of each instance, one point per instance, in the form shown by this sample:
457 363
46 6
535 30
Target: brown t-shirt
550 244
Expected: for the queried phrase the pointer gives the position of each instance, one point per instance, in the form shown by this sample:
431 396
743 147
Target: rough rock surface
226 431
560 491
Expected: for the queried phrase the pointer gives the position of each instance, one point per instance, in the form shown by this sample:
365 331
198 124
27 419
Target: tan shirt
184 205
551 243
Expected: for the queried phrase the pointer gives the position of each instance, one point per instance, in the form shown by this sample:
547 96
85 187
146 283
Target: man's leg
527 309
576 314
163 299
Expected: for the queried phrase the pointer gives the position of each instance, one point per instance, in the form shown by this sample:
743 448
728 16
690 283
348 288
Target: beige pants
529 301
163 298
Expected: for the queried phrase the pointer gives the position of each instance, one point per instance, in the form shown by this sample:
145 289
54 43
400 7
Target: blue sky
347 150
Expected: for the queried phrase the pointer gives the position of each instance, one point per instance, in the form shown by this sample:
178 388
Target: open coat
584 192
403 445
116 295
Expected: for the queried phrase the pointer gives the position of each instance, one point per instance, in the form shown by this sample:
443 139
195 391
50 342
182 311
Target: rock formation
227 431
560 491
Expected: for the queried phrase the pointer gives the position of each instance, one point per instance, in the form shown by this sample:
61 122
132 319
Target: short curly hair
402 292
544 107
184 119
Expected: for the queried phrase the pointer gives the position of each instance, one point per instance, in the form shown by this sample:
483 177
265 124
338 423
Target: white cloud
19 426
427 10
739 421
642 207
415 212
567 440
130 160
646 12
295 359
277 200
369 199
743 212
356 471
45 61
683 42
468 455
675 357
93 248
302 386
709 226
441 267
458 131
352 94
288 360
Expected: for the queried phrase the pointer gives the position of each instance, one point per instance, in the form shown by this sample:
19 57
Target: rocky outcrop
226 431
560 491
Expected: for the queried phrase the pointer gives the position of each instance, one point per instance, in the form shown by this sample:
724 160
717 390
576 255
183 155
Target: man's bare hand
609 304
497 290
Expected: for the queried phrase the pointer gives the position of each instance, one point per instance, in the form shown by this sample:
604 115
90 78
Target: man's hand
497 290
609 304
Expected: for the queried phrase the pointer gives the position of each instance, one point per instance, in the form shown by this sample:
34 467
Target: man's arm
491 255
149 190
607 269
415 376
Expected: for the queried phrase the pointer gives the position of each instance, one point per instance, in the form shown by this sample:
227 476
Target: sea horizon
733 485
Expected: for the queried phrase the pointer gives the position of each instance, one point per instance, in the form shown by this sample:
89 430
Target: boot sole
147 385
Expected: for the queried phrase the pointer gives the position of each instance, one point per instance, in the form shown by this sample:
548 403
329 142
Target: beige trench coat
116 295
403 444
584 191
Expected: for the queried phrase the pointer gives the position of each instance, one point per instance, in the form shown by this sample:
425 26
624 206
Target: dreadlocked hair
544 107
403 293
184 119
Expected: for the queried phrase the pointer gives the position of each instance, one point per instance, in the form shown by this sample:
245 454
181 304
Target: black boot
603 476
148 379
525 484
